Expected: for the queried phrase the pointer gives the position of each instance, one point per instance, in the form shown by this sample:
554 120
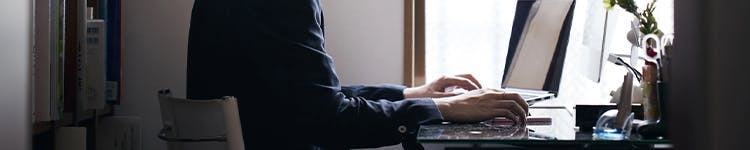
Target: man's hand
483 104
436 89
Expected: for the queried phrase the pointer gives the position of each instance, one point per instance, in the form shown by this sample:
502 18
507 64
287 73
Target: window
467 37
452 36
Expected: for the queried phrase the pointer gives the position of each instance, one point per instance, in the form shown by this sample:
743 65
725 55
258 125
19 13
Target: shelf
67 120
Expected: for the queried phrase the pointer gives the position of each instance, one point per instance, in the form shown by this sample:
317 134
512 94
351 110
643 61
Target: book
93 71
72 51
57 56
111 14
75 81
41 62
50 48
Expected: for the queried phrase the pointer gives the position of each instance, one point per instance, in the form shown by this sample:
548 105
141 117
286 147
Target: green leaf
651 19
609 4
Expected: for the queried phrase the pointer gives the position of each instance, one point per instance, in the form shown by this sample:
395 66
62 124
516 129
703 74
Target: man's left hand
436 89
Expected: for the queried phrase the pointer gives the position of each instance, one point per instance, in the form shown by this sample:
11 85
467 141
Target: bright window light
472 37
468 37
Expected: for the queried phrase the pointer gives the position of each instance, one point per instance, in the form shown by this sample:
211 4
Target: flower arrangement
646 23
652 70
645 17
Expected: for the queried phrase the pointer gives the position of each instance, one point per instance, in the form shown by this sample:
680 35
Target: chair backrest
200 124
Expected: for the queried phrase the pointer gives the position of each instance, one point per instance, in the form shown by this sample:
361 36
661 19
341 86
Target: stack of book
76 69
76 58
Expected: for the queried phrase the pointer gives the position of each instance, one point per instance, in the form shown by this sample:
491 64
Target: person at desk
270 54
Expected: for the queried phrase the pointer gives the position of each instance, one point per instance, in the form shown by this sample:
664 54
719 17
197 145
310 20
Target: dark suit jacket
270 54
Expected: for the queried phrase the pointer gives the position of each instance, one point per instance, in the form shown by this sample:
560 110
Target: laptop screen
538 44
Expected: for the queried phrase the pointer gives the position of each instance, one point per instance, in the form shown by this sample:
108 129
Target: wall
365 39
15 31
155 41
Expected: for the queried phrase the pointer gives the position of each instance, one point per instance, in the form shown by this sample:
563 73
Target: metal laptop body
526 11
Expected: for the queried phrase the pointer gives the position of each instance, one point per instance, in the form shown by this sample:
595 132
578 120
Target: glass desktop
559 133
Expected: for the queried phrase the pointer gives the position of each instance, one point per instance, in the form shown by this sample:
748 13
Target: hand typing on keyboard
483 104
462 99
459 90
436 89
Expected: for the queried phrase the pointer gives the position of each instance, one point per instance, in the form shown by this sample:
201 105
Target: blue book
111 12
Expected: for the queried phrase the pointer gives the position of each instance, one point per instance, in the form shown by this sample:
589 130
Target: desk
560 134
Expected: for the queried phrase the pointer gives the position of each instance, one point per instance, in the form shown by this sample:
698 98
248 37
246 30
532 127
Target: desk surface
560 132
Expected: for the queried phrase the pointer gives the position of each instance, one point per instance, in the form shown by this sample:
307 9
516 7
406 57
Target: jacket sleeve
364 118
389 92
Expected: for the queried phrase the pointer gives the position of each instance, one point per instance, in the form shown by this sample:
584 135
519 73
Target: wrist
410 92
443 105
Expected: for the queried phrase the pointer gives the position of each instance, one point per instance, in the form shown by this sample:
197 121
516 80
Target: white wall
15 48
365 39
155 41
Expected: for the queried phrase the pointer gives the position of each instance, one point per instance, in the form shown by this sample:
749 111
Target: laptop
537 48
536 52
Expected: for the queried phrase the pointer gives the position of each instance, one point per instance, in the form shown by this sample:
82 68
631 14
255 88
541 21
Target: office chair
191 124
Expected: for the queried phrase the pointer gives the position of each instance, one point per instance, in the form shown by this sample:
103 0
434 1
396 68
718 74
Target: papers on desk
536 47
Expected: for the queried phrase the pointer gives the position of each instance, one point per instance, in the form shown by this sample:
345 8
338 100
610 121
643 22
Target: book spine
81 80
34 51
77 59
70 83
58 56
41 61
113 85
94 65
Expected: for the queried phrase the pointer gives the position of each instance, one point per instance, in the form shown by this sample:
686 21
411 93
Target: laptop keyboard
527 96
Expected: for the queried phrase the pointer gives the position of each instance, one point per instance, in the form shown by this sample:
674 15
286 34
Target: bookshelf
76 66
67 120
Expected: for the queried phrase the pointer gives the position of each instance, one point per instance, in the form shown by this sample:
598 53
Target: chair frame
166 131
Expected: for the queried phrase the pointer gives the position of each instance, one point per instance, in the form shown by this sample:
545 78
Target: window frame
414 42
